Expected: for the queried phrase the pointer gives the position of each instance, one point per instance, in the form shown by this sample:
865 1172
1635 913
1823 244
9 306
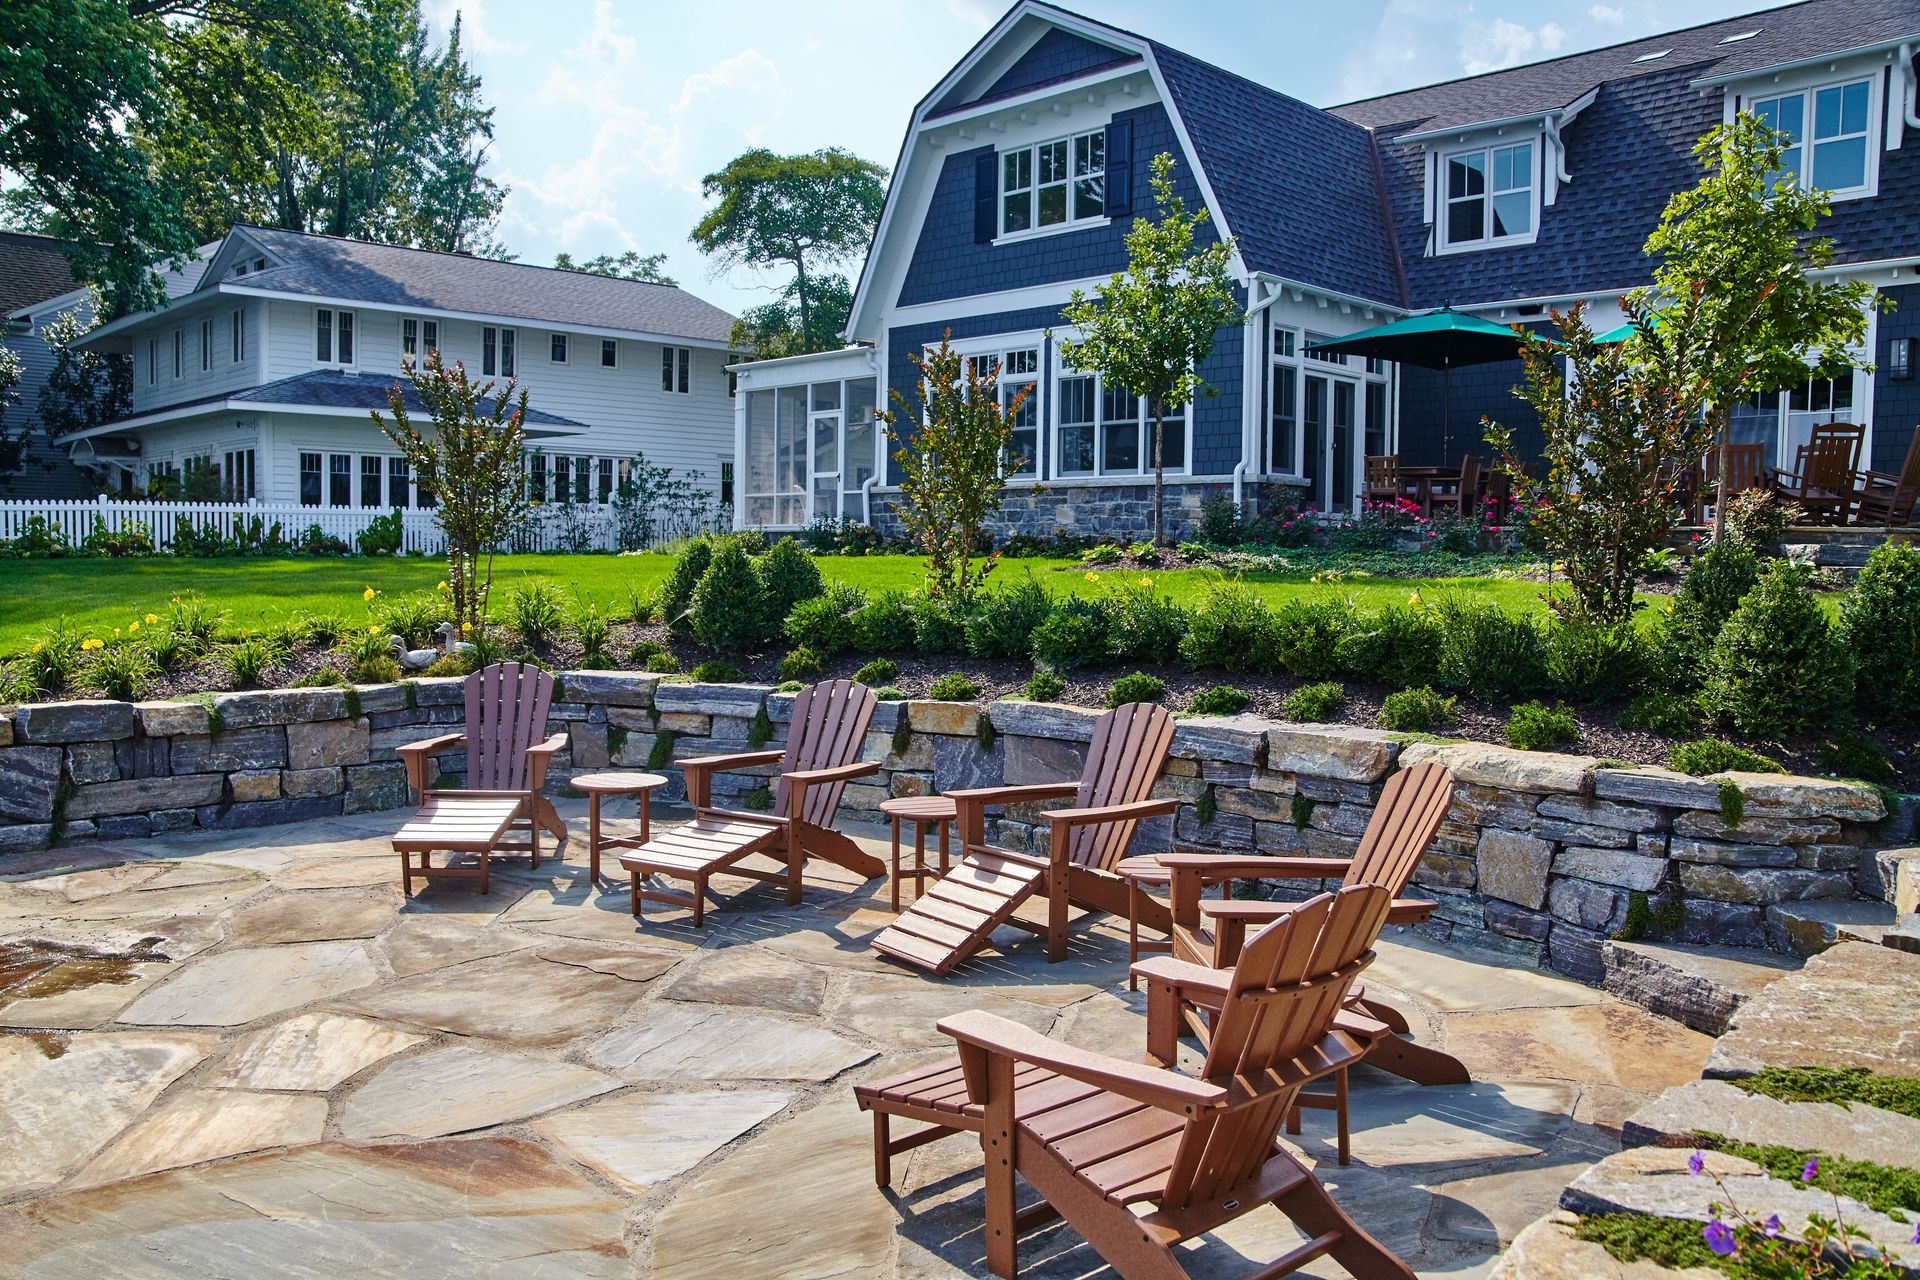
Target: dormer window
1491 196
1829 127
1053 184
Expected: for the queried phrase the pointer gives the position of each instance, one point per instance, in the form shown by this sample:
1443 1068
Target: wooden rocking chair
821 756
506 714
952 919
1402 828
1139 1159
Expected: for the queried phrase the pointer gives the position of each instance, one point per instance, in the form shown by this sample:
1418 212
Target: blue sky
608 114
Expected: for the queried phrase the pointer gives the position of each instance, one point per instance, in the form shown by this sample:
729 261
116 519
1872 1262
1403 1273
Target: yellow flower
90 643
151 618
368 594
1414 598
1092 576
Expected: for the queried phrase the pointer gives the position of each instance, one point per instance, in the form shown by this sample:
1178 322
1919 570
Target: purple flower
1719 1237
1812 1170
1695 1163
1771 1227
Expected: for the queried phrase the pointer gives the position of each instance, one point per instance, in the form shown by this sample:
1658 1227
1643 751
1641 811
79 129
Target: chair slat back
1287 986
507 705
829 725
1412 806
1128 751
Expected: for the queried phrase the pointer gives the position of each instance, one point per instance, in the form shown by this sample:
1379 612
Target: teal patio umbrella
1437 340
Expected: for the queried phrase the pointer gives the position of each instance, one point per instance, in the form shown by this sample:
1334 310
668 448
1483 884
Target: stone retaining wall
1542 857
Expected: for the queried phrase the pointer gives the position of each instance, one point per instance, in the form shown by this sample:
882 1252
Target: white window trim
1438 176
1805 86
1034 230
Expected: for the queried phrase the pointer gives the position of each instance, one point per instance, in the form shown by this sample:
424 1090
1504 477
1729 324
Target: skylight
1653 57
1744 35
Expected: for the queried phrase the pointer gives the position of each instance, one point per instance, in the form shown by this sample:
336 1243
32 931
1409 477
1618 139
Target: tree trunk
1159 482
1723 434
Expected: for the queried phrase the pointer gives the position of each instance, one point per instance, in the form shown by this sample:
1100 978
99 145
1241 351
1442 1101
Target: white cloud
1507 44
1606 15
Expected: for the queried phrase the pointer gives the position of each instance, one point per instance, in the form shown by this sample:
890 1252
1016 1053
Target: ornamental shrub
1416 710
1535 726
729 607
1708 595
1398 645
1315 703
1593 660
788 575
1002 622
1306 634
676 594
1147 626
1138 687
824 623
884 624
1880 618
953 687
1044 686
940 625
1077 633
1220 700
1232 630
1777 667
1710 755
1490 653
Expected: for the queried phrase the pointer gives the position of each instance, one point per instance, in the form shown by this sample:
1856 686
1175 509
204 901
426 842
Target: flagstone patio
245 1054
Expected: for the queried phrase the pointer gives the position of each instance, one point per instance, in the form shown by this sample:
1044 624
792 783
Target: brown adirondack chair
1888 500
1823 472
821 756
952 919
1139 1159
506 714
1402 828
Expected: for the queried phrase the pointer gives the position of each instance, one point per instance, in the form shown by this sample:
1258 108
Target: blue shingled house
1506 194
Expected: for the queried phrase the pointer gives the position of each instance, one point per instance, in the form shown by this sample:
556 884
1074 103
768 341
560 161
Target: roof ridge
454 253
1568 57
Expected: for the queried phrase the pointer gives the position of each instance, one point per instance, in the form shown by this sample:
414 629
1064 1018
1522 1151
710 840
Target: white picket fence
588 526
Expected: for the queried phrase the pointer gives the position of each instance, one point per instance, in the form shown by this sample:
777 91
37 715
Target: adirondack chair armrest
539 757
699 771
987 1033
418 757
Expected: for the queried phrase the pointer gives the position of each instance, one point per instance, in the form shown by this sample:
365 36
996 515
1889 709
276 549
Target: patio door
1329 420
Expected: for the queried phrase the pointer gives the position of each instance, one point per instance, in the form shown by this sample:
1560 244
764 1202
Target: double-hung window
417 337
1053 183
332 336
676 365
1828 142
1490 195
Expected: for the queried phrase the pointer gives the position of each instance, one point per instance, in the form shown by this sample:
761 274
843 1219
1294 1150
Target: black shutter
1119 168
986 198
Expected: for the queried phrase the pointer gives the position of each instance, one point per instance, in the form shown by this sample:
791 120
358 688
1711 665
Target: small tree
1614 448
1738 242
1152 326
469 458
955 456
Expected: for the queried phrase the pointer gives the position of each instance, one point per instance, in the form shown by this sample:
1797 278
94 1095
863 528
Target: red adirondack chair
1412 805
952 919
506 716
1139 1159
821 756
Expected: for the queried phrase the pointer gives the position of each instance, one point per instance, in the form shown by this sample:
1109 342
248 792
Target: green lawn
98 595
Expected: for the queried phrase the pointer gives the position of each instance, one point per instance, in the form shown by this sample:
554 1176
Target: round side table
922 812
597 785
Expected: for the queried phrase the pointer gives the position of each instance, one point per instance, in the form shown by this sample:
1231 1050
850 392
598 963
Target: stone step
1856 1131
1698 986
1808 928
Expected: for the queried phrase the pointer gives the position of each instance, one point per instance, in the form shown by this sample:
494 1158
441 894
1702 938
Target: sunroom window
1053 183
1827 127
1490 195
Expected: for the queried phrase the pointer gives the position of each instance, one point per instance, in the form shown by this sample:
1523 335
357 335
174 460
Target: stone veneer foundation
1542 857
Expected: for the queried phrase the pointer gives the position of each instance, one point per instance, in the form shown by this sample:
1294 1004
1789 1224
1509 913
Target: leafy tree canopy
631 265
806 213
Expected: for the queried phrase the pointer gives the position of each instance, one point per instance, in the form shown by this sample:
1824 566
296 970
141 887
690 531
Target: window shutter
1119 168
986 196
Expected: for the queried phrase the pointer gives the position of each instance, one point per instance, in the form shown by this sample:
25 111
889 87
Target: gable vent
1744 35
1653 57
